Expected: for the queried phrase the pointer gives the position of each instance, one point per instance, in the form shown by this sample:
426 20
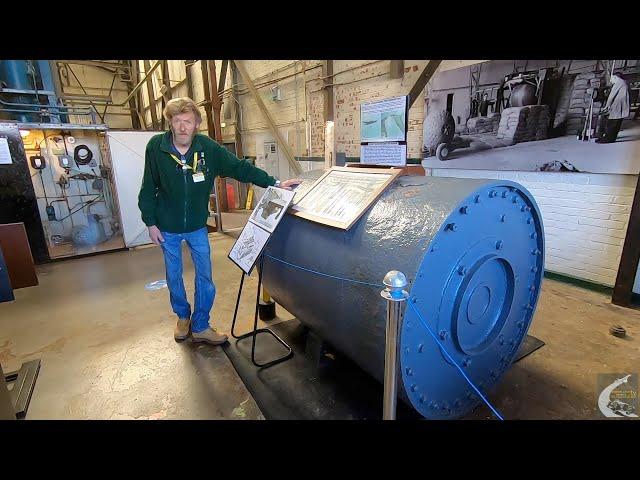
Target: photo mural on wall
535 115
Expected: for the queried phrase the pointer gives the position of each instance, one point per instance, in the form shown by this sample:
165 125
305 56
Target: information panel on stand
263 221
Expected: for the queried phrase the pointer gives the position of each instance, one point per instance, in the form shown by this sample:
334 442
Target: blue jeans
205 293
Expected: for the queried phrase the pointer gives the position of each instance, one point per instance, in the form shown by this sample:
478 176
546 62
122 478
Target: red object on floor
231 197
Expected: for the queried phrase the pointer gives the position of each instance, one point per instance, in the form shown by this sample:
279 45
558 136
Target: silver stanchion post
396 296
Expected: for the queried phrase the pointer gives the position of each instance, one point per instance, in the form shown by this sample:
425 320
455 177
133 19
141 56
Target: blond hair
179 105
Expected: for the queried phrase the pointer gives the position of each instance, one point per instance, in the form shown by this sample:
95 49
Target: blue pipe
30 75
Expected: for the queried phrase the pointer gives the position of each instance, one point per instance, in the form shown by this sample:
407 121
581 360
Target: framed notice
263 221
342 195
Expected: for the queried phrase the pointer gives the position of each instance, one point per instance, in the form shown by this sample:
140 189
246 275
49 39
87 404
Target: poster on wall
383 132
384 121
535 115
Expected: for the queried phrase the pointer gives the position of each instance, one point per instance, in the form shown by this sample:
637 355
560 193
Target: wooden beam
623 289
166 79
223 77
237 132
422 80
166 84
151 94
207 97
272 125
211 132
236 108
215 106
138 96
135 119
189 79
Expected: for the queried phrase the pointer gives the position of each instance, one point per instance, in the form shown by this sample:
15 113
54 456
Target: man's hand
287 184
156 236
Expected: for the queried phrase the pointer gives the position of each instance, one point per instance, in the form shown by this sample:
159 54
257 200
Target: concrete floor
107 347
620 157
560 380
233 220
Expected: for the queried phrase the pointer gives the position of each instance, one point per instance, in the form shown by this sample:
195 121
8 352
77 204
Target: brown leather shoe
181 331
210 336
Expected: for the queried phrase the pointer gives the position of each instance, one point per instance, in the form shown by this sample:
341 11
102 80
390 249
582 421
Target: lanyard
185 166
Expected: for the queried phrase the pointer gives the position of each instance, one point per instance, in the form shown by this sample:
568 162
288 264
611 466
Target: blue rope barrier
424 323
323 274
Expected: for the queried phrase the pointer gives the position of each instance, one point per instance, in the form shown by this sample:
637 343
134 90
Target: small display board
342 195
383 132
384 120
263 221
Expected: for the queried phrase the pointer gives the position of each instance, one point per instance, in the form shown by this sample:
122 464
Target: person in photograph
616 108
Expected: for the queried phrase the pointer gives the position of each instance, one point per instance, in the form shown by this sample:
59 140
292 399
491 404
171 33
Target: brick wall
371 81
585 218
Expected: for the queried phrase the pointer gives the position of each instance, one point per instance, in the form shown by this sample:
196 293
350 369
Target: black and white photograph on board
271 208
535 115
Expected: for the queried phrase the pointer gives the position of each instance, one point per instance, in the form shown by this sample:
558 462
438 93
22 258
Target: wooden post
151 95
623 290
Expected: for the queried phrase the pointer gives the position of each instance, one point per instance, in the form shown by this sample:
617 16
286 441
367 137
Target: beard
183 139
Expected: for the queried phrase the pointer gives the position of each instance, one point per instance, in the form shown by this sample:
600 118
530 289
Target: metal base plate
21 384
307 388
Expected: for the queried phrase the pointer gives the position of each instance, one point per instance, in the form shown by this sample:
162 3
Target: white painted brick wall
585 218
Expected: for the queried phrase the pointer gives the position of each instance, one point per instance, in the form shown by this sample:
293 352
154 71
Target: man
180 168
485 104
617 108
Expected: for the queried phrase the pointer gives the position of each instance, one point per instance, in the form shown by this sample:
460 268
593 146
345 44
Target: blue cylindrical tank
472 251
15 75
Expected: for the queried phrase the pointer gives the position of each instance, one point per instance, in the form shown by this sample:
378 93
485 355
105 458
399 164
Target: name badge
198 177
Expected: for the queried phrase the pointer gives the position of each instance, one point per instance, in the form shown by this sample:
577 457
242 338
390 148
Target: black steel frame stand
257 330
